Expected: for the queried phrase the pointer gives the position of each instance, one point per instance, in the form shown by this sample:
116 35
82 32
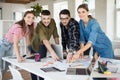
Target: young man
42 34
70 33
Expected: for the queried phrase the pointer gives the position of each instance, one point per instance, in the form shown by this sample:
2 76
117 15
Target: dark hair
45 12
23 25
85 6
65 11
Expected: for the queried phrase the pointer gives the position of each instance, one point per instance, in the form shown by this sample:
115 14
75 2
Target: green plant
85 1
37 9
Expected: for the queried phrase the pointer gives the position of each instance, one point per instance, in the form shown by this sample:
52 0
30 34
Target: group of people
77 37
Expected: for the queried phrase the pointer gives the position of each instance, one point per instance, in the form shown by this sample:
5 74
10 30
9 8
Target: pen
71 62
60 60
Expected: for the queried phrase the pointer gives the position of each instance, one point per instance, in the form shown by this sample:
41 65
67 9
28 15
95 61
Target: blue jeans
42 51
6 49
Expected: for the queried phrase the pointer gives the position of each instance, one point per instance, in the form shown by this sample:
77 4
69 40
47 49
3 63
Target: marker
107 73
60 60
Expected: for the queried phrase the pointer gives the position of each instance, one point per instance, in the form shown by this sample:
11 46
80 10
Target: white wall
100 13
104 13
8 9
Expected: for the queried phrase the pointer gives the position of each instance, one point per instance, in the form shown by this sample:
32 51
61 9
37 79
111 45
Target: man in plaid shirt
70 33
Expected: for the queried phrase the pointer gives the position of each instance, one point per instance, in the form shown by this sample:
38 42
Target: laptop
80 70
58 50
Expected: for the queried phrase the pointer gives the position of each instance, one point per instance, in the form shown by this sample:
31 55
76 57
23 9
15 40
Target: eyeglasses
64 18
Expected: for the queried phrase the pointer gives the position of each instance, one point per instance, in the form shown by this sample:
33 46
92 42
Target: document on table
55 66
63 65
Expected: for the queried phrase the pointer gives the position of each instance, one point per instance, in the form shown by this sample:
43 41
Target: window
117 19
17 16
58 6
91 5
45 7
77 3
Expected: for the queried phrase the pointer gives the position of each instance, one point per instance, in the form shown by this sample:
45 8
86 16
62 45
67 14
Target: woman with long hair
91 35
22 28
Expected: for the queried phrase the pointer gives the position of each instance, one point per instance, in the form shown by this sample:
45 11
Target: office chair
15 74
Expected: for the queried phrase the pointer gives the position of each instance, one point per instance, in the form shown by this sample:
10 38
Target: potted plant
85 1
37 9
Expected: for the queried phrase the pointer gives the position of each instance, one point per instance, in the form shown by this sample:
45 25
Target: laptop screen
58 50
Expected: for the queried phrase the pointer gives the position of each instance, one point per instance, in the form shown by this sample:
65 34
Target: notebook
58 50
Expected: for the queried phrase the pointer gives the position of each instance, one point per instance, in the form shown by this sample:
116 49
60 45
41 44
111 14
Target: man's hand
56 40
54 56
69 57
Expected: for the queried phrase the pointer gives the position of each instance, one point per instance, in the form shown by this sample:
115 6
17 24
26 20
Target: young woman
91 35
22 28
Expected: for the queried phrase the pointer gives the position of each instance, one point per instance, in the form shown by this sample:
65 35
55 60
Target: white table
115 63
34 67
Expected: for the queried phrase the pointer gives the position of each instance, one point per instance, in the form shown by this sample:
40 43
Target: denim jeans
6 49
42 51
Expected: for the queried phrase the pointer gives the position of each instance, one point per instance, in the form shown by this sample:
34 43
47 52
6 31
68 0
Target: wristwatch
70 51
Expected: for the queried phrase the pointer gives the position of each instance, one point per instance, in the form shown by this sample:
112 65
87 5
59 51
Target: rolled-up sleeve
55 33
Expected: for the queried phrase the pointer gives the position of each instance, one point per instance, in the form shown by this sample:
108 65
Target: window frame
117 9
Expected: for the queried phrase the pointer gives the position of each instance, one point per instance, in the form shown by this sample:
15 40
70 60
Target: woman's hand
79 54
20 59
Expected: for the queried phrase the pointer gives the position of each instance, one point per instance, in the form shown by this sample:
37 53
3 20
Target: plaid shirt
71 35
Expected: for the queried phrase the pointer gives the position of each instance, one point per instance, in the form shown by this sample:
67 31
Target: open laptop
80 70
58 50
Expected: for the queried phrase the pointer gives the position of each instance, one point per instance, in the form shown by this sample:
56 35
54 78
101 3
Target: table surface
34 67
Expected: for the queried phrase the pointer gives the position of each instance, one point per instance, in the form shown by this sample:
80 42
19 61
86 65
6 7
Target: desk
34 67
116 63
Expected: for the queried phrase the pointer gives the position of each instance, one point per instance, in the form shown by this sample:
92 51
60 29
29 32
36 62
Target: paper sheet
63 65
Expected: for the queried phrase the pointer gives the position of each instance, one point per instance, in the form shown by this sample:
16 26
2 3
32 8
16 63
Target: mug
37 57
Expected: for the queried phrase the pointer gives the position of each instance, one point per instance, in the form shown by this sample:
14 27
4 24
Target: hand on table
79 54
69 57
55 57
20 59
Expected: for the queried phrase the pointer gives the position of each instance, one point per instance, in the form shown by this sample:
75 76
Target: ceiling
17 1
